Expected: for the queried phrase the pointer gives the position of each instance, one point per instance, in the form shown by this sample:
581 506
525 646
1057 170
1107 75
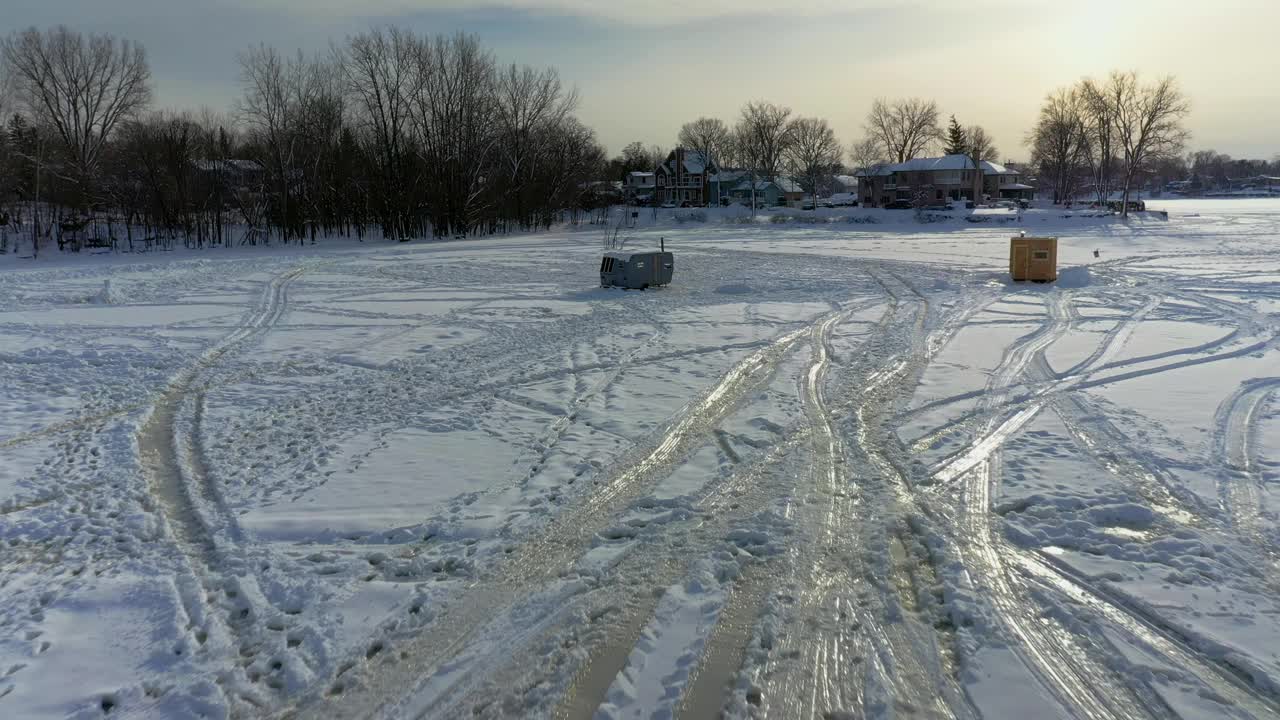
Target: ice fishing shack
636 270
1033 258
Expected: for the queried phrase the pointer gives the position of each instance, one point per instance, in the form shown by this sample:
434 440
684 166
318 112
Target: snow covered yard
838 467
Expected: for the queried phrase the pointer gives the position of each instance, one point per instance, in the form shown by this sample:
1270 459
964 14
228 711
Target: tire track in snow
1000 427
1230 684
542 560
1068 667
1241 487
822 677
1097 437
852 650
176 478
1084 687
1052 654
723 505
185 496
1141 626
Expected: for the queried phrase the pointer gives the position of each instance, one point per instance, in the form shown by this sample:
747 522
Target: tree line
769 140
419 135
415 135
1099 137
1096 137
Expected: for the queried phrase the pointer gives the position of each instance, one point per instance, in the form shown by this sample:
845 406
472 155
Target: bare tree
452 112
762 136
980 147
905 128
1148 123
709 136
270 110
81 87
867 154
380 69
655 154
528 100
812 151
1102 142
1060 142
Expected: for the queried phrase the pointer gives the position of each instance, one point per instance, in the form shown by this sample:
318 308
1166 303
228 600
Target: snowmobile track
546 557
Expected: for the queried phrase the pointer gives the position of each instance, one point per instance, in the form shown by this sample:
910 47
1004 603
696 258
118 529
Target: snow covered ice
837 469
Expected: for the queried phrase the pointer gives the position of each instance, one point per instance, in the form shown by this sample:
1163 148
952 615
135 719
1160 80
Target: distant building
682 178
844 184
770 192
950 177
720 185
639 187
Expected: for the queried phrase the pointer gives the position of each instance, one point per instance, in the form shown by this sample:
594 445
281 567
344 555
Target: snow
840 467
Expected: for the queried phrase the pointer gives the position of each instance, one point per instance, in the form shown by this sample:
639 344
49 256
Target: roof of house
640 174
786 185
695 161
875 171
846 180
935 164
228 165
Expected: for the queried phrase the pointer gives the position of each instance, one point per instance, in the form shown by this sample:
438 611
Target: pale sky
644 67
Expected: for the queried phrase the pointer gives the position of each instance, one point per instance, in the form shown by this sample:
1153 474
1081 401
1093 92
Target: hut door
1020 262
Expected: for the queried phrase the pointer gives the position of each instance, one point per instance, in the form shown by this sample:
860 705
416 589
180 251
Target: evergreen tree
957 139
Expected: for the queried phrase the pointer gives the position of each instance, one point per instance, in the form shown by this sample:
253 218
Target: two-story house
639 186
951 177
683 177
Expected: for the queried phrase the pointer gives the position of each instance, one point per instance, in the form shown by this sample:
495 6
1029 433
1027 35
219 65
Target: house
950 177
720 185
682 178
769 192
232 173
638 187
844 184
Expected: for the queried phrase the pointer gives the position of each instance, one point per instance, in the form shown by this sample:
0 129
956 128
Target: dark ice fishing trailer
636 270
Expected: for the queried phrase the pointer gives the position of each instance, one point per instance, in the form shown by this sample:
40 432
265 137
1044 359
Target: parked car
668 205
899 205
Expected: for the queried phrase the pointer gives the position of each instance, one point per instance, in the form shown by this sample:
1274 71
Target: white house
639 186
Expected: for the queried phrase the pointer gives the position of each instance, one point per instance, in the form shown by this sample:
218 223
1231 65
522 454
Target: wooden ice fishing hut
1033 258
